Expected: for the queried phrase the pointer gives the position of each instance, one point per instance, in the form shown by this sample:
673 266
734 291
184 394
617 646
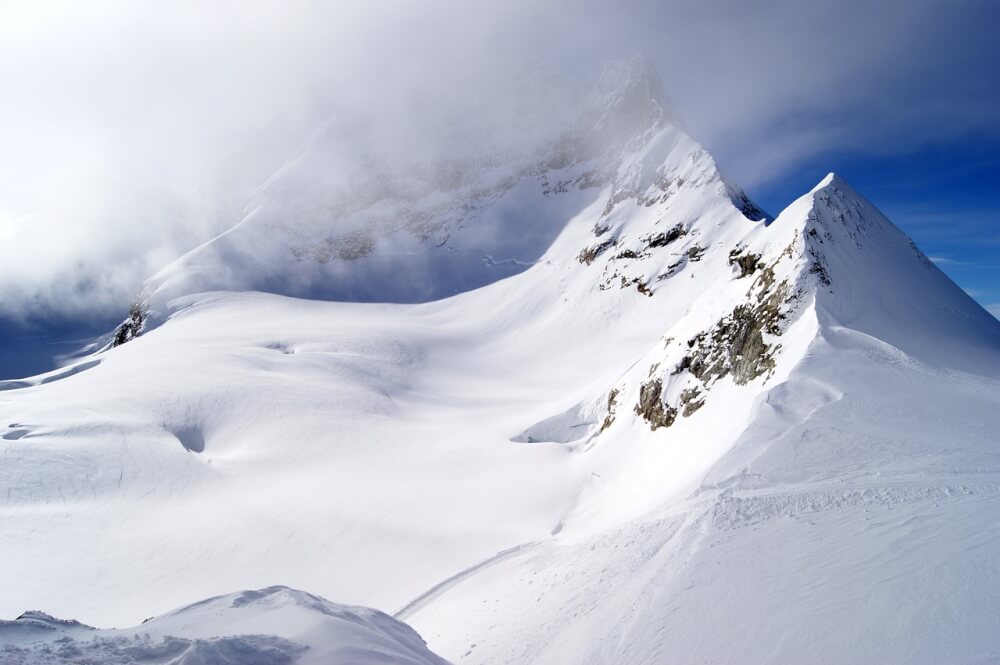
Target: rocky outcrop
609 418
736 345
652 407
589 254
663 239
742 344
132 326
746 263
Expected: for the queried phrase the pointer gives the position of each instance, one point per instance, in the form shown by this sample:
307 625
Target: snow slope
271 626
686 432
855 520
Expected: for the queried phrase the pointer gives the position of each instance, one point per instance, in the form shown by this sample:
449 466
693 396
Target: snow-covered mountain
652 423
272 626
345 218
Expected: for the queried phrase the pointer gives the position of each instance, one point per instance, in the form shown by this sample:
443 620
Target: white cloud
132 130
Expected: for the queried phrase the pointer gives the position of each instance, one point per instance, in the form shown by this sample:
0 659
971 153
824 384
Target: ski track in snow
426 598
743 508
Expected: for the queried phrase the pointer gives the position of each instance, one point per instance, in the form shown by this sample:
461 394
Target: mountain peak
833 186
875 280
837 208
829 179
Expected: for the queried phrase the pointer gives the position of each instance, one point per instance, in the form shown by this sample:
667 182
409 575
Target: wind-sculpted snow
272 626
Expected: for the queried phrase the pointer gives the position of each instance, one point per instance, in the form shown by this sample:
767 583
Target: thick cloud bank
131 132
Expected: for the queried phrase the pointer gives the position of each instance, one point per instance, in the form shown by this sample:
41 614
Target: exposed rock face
747 264
692 400
589 254
651 406
664 239
696 252
736 345
612 404
749 209
742 344
132 326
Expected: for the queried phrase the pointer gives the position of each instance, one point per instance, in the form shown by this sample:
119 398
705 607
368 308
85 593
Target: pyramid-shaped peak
831 179
835 183
872 278
834 206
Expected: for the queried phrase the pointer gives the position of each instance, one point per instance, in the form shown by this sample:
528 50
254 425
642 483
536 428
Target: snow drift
271 626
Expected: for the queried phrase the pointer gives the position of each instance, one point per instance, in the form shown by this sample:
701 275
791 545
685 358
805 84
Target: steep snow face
876 281
272 626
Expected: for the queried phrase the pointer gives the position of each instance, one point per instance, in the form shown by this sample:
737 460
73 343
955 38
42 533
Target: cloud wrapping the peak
135 131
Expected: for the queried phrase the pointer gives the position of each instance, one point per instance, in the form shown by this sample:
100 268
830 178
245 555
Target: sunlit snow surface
481 463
